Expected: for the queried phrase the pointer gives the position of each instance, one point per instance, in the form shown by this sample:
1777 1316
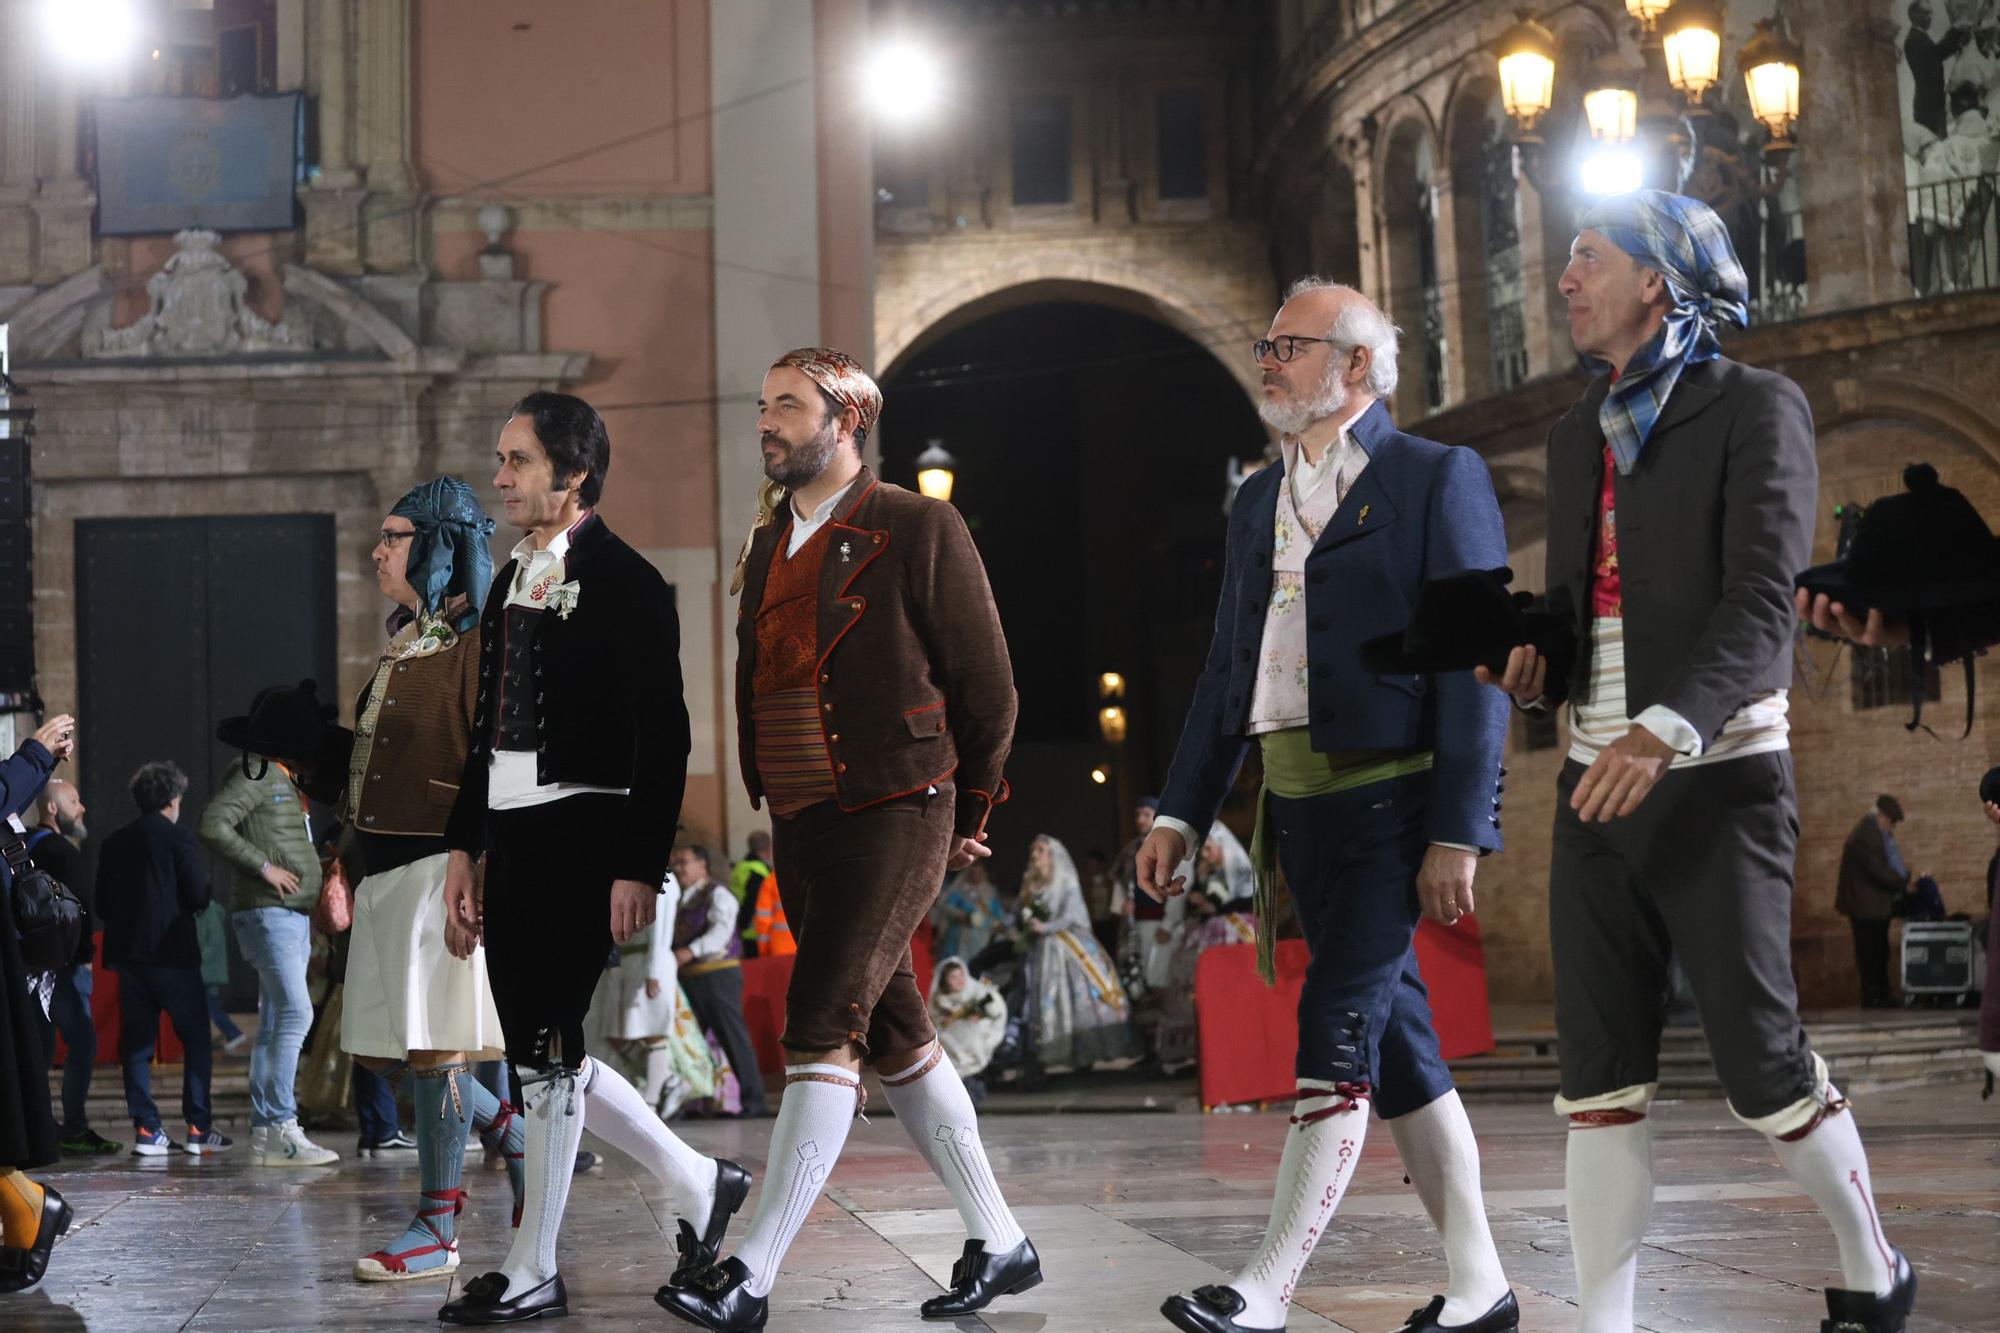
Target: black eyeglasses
390 538
1285 346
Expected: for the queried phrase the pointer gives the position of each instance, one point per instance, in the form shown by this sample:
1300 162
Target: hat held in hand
1924 550
1470 620
291 725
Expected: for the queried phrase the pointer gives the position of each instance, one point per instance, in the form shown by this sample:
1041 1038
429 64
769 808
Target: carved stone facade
1147 205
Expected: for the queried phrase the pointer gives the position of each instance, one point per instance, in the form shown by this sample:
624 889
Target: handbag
47 915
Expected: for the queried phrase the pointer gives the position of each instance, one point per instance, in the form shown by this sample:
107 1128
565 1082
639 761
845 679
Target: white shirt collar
526 553
824 510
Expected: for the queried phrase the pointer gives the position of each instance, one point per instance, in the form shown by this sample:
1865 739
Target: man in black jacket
1682 492
579 728
54 846
152 881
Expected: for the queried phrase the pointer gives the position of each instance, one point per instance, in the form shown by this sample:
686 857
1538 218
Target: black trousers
1871 960
1701 872
548 922
717 1000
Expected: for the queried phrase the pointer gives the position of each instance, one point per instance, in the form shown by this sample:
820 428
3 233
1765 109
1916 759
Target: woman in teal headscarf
407 1003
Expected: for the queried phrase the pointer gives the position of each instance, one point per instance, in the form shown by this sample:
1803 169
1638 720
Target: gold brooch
1363 518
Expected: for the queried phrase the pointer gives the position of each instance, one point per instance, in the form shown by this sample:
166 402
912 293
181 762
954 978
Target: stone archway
1224 315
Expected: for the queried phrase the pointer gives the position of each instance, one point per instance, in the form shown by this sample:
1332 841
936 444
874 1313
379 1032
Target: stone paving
1124 1209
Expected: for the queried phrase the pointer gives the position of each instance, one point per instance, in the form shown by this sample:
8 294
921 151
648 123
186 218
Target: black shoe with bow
1865 1312
732 1187
717 1297
1210 1310
1504 1317
486 1301
978 1277
21 1269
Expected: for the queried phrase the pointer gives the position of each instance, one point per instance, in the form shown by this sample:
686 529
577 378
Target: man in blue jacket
1380 791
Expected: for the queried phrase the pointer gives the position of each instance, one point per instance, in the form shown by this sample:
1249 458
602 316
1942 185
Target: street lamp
1770 63
91 34
935 471
1111 685
1691 37
1647 12
1527 75
904 81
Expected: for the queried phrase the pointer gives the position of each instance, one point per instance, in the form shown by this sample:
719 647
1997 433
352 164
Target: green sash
1292 769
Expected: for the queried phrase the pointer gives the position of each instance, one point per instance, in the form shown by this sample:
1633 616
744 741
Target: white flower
563 597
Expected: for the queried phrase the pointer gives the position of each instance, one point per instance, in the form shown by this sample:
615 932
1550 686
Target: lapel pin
846 552
1363 518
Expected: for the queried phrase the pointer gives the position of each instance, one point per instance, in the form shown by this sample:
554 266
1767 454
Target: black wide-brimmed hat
1926 550
290 723
1470 620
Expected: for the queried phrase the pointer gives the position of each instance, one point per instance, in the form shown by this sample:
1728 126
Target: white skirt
631 1016
404 990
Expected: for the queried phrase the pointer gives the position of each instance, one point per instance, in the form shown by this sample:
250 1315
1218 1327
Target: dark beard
803 463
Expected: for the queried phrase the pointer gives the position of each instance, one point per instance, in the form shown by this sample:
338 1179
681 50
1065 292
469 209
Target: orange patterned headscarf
841 376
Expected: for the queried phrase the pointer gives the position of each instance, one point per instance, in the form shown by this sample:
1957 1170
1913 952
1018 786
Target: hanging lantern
1691 35
1527 73
1770 63
1111 721
1647 11
935 471
1613 113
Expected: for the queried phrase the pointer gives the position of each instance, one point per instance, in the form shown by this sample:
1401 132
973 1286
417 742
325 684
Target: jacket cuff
975 807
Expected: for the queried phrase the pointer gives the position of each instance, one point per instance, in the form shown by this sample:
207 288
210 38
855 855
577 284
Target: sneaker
87 1142
201 1141
151 1142
389 1147
287 1145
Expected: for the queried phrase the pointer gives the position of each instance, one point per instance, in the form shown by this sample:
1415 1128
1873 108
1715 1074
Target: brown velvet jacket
422 734
915 685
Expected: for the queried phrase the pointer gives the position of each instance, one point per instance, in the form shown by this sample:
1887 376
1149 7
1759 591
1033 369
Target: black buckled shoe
718 1298
978 1277
485 1301
732 1187
1504 1317
21 1269
1865 1312
1210 1310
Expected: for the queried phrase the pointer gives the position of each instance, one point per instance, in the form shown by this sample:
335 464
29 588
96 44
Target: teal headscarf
449 554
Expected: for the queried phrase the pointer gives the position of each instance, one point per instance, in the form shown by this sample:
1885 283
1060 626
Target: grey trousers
1702 872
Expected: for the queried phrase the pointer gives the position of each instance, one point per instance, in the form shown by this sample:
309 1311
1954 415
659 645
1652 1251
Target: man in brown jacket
875 702
1873 880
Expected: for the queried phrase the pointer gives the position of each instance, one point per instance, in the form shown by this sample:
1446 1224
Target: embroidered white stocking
811 1129
1442 1158
1322 1146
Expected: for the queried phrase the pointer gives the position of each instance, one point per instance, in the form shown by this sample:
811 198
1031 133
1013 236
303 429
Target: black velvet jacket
607 682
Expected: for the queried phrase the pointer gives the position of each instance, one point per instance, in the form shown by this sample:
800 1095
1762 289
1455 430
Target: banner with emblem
169 163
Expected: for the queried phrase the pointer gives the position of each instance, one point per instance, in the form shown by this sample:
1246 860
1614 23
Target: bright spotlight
1612 173
905 81
91 34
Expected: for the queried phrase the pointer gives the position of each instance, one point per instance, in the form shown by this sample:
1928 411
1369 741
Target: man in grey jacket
1873 881
1682 493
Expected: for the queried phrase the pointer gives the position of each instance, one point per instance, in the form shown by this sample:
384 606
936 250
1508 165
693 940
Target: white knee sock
1442 1157
811 1129
1322 1146
938 1114
1610 1188
554 1114
616 1113
1831 1166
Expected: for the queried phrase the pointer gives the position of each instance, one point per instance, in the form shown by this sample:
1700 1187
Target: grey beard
806 461
1296 417
72 829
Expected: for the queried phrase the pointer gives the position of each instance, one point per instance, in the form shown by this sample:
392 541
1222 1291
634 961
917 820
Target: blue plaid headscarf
1686 242
449 554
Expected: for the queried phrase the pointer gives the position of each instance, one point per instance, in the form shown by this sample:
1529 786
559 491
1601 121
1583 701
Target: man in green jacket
259 822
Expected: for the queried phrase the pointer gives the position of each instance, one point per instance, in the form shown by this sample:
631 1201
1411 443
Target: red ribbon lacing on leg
1346 1097
1600 1119
1832 1108
443 1203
